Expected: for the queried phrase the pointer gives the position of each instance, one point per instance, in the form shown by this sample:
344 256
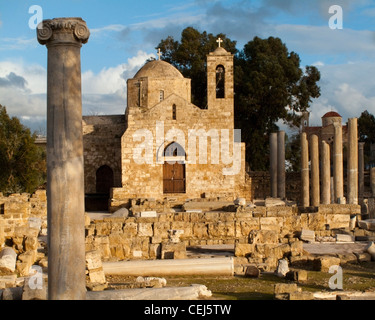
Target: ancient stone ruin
159 213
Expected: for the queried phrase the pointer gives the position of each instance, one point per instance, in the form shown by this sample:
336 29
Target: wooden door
174 177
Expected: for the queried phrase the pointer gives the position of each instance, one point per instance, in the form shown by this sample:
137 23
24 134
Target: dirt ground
356 276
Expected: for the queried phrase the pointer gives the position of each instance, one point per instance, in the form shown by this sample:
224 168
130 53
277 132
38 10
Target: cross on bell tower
219 41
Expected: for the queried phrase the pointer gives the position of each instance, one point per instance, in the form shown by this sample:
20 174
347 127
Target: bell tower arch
220 83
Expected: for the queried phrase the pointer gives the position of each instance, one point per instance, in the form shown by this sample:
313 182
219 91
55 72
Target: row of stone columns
321 168
277 164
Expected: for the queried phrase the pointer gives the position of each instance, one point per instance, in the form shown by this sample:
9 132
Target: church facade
164 146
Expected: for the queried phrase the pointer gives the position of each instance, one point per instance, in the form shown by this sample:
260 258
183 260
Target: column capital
65 31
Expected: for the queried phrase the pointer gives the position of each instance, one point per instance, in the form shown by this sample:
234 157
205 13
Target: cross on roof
219 41
159 53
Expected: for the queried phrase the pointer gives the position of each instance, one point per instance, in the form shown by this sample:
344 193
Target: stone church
165 147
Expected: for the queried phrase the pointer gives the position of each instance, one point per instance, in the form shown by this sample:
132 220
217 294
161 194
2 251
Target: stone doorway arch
174 171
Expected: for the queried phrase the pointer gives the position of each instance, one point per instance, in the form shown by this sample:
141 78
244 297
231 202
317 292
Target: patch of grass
359 277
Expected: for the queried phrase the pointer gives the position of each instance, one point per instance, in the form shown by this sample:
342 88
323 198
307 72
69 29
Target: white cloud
105 92
346 89
102 93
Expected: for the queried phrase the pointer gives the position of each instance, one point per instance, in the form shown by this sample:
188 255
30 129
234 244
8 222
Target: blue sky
125 33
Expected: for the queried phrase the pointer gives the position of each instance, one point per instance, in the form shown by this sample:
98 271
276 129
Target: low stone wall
150 237
261 187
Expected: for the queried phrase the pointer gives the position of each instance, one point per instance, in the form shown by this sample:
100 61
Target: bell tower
220 92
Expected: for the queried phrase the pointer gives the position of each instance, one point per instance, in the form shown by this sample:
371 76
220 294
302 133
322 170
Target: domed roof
220 51
332 114
158 69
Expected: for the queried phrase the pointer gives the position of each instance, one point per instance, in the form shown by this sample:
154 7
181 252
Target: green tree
269 84
366 132
22 162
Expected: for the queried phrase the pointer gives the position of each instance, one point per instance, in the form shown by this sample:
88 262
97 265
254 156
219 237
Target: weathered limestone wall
102 146
148 237
16 210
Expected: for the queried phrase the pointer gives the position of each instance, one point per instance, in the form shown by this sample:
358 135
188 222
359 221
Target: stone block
12 294
145 230
221 230
243 249
102 228
344 238
304 295
130 229
371 250
25 262
7 281
161 229
271 223
35 290
316 221
338 221
296 248
31 243
252 272
307 235
263 236
8 258
282 268
363 256
323 263
285 288
299 276
155 251
173 250
200 230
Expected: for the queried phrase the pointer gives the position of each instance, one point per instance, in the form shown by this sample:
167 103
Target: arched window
220 82
174 150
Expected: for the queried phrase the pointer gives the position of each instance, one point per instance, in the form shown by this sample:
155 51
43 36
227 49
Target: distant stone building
165 146
326 130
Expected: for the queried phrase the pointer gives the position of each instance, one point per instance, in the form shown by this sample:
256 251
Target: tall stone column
65 181
314 155
281 164
361 170
305 201
326 173
352 165
273 164
338 174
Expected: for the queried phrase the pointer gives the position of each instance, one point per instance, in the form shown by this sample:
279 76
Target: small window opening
174 112
220 82
161 95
